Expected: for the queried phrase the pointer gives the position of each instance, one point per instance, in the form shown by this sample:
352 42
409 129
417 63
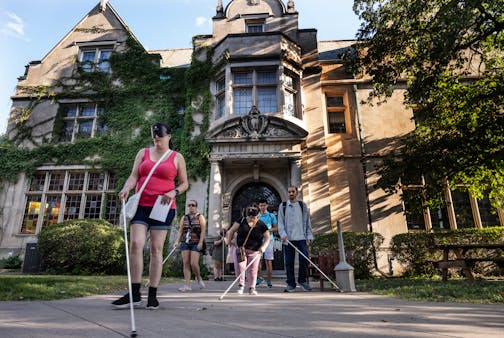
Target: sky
29 29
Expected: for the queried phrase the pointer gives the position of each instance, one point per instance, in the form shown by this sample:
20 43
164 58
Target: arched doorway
252 193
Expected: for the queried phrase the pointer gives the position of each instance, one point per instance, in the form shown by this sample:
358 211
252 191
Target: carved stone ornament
253 2
254 124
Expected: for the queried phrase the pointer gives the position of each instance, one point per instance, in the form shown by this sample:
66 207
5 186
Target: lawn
434 290
50 287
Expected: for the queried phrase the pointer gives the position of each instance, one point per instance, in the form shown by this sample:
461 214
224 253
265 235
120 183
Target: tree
450 55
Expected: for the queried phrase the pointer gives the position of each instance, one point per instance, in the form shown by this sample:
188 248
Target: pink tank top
161 181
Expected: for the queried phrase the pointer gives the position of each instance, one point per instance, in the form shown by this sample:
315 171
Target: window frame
69 198
255 87
342 109
78 119
96 64
255 23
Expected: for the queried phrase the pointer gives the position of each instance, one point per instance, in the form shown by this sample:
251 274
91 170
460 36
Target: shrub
417 250
361 246
12 262
86 246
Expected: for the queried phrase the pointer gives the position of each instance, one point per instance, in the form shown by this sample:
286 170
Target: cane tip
221 298
133 334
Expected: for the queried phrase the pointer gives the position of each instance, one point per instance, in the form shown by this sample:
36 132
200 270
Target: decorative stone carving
219 9
253 2
254 124
290 6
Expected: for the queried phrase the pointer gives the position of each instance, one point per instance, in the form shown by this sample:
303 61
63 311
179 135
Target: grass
51 287
461 290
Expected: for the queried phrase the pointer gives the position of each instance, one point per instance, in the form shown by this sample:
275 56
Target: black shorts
142 217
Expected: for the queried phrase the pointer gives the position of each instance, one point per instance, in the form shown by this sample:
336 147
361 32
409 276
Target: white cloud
14 27
201 20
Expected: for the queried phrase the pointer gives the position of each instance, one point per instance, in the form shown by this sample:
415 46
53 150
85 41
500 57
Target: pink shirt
161 181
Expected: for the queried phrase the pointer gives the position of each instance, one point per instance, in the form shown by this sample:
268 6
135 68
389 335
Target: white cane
126 244
309 260
248 265
171 253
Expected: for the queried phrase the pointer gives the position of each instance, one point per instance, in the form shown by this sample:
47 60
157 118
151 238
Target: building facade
285 112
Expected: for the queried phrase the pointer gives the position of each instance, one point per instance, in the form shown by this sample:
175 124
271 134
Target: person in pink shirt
162 183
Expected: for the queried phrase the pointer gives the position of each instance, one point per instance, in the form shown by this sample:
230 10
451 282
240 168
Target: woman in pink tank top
161 183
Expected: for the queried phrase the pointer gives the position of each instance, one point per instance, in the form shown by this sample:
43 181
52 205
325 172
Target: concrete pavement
272 313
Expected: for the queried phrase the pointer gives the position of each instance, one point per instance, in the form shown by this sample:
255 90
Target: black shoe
124 301
152 304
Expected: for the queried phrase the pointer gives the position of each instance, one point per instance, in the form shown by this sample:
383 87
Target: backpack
284 205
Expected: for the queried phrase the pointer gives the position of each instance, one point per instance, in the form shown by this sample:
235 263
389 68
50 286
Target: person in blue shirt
271 222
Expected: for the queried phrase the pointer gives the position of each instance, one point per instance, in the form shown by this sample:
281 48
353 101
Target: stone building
285 112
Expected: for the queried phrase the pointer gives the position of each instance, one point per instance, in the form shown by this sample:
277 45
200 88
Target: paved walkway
270 314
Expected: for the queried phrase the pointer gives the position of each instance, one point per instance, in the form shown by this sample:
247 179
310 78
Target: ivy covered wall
135 94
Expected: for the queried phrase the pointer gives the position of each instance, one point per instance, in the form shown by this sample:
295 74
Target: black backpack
284 205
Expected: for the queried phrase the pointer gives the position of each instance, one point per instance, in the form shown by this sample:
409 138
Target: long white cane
309 260
171 253
248 265
126 244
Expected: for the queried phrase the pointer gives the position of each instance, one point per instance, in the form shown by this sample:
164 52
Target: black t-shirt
256 237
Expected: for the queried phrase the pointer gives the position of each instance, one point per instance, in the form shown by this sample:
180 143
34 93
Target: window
412 201
81 120
336 108
57 196
290 95
220 97
255 88
254 26
95 59
488 214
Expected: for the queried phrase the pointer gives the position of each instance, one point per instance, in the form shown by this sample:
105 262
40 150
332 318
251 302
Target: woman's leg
195 264
217 269
252 270
138 233
186 261
156 256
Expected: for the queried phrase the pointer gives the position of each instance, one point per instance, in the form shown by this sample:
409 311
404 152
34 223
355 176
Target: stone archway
252 192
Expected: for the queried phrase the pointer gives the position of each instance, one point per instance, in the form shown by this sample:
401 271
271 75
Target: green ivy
135 94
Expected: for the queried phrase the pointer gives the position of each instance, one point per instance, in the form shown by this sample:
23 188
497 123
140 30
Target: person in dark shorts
162 183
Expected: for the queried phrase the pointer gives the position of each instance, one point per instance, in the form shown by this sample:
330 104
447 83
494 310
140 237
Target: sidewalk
270 314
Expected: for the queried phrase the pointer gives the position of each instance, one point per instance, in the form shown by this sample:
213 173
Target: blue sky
30 28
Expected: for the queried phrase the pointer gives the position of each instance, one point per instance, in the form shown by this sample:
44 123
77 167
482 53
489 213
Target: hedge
84 246
417 250
362 247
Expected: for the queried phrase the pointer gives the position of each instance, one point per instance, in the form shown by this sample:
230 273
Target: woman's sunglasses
159 130
191 205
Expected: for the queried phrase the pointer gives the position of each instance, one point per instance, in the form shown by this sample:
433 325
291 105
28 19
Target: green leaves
450 53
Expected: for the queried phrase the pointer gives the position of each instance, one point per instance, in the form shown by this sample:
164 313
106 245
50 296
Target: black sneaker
152 304
124 301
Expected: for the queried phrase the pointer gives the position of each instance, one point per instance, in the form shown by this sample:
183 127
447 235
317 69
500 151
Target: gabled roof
109 7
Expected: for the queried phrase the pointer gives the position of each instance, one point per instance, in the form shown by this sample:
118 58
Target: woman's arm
231 232
202 233
266 241
133 177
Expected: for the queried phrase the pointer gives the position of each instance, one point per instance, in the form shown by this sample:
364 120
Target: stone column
214 199
295 179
